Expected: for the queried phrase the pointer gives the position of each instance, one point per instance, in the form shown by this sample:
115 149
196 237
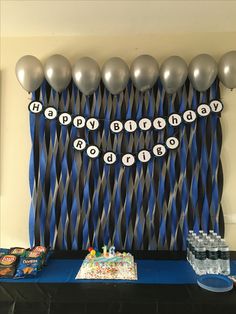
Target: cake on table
108 265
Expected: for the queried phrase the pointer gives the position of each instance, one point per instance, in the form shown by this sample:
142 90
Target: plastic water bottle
218 240
200 234
190 252
206 241
191 241
211 233
224 256
193 246
188 244
212 262
205 238
200 258
191 249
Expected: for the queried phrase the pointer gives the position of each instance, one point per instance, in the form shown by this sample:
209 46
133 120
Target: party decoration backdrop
79 202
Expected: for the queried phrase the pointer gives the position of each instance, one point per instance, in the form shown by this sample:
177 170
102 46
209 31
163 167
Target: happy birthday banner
130 126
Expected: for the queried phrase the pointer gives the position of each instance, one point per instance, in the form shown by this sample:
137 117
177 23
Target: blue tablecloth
149 272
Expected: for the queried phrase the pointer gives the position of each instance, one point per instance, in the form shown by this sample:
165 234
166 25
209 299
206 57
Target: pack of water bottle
208 253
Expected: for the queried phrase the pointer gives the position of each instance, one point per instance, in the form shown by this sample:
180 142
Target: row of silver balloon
115 73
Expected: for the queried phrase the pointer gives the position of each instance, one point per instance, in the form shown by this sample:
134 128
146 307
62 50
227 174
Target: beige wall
15 138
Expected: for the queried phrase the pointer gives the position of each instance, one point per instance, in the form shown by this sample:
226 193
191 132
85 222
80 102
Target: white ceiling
72 18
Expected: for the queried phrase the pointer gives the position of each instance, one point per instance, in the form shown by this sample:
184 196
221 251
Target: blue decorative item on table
215 283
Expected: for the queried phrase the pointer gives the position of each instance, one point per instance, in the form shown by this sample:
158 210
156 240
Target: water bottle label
224 255
200 255
212 255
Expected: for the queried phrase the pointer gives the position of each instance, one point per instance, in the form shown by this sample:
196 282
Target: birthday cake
108 265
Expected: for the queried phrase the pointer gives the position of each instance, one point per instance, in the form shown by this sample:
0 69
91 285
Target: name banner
128 159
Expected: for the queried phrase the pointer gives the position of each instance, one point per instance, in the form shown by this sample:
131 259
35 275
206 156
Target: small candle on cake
104 248
112 251
92 252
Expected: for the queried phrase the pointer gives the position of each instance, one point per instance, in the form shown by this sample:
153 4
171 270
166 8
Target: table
164 286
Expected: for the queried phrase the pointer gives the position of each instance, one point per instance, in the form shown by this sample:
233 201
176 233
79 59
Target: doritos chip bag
8 265
28 267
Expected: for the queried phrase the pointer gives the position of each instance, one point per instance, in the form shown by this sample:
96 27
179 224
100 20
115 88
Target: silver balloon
227 69
202 72
57 71
29 72
144 72
86 74
173 74
115 75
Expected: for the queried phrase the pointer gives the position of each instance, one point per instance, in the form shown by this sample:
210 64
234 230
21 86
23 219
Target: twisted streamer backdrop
79 202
